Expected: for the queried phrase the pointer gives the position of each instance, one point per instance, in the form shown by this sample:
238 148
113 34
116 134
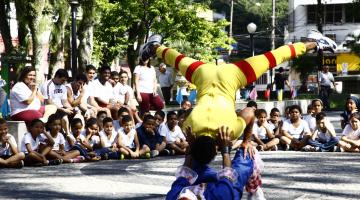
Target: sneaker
308 148
78 159
121 157
146 50
324 43
260 148
105 156
55 162
165 152
154 153
287 147
145 156
274 148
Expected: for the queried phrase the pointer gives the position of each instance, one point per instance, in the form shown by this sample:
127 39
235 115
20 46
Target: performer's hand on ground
224 137
248 149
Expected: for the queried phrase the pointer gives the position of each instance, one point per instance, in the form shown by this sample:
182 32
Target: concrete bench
18 130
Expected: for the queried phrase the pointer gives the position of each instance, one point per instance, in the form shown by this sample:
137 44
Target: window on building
333 13
311 14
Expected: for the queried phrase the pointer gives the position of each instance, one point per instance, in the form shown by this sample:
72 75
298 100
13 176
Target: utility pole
272 35
231 20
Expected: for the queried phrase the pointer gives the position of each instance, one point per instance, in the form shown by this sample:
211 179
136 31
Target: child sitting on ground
151 142
350 140
128 139
159 118
262 134
324 136
275 121
58 149
108 141
121 112
175 139
77 141
34 156
91 134
9 154
100 117
352 105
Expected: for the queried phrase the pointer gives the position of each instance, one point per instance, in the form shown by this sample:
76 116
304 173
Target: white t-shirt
58 140
73 139
109 142
296 132
146 78
94 140
171 136
116 125
89 91
128 139
260 131
19 93
350 133
326 79
28 139
311 121
56 93
103 92
271 126
120 91
5 149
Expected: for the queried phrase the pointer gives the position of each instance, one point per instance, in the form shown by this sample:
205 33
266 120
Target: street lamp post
251 28
74 4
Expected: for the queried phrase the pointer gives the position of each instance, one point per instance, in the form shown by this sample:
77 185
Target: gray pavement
287 175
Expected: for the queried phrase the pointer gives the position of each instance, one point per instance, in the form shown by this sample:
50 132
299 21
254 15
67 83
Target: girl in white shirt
350 139
262 134
128 140
58 148
175 140
30 145
295 131
9 153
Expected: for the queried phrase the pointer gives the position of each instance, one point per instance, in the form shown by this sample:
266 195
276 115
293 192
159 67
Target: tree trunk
85 34
61 8
22 24
319 16
39 25
4 26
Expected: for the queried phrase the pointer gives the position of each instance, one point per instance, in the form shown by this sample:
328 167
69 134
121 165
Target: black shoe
146 50
165 152
55 162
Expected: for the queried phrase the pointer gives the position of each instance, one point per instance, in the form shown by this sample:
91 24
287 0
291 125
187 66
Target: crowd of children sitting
103 138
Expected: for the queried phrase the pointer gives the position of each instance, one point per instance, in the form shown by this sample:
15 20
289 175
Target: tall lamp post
251 28
74 4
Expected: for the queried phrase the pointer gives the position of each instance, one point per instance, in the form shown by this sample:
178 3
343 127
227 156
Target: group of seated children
312 132
100 139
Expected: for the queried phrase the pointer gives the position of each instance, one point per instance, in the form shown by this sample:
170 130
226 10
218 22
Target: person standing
326 79
146 86
280 82
166 82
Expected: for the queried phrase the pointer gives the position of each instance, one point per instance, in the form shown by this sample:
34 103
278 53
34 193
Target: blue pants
111 154
244 168
324 146
83 152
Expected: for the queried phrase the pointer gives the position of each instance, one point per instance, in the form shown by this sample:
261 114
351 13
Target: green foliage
305 65
125 24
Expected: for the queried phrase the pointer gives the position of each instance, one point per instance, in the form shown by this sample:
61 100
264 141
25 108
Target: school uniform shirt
93 141
120 91
311 121
273 127
146 78
56 93
350 133
171 136
297 132
324 136
117 125
5 149
103 92
148 139
109 142
58 140
128 138
28 139
89 91
20 93
260 131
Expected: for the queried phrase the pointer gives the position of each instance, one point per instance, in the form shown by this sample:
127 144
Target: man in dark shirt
280 81
149 138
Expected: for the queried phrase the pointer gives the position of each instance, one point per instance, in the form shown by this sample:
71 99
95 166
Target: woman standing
26 100
146 87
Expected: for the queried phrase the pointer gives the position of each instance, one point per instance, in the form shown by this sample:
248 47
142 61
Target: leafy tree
125 25
4 25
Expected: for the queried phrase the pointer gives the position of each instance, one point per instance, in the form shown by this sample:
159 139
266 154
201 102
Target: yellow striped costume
217 85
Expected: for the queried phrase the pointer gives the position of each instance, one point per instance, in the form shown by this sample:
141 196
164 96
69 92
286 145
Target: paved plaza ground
287 175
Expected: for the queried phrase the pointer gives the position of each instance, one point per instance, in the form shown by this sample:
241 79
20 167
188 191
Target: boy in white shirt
175 139
109 141
9 153
55 93
324 137
128 140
